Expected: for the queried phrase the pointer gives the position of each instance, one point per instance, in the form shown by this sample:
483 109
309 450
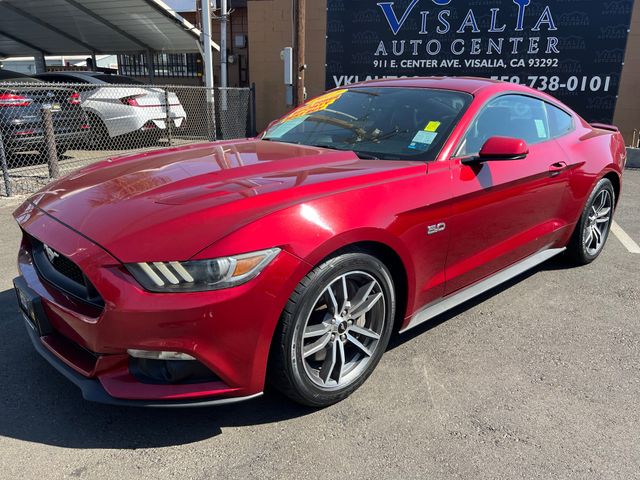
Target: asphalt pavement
539 378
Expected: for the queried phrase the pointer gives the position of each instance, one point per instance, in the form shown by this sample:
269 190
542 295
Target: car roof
11 74
96 78
461 84
87 76
8 76
470 85
72 72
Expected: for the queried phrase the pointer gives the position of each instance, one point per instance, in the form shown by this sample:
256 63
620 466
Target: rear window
560 122
118 79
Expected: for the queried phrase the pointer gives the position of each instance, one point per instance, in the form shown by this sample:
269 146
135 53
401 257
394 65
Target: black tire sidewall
309 391
99 134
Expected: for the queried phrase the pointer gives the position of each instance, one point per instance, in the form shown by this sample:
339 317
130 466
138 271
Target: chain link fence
48 130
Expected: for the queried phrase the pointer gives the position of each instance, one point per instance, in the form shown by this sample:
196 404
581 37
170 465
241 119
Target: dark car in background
21 122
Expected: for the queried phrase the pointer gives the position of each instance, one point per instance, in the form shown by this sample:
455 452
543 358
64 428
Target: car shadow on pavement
39 405
557 263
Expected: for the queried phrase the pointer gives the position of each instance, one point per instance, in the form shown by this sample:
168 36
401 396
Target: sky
182 5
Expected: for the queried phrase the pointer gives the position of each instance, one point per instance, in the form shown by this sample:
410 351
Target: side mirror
500 148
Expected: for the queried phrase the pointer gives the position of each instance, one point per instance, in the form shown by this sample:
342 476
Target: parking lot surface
539 378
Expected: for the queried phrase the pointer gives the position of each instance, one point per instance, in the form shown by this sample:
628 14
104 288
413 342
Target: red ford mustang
195 274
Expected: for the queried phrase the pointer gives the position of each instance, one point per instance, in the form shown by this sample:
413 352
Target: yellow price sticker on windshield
432 127
315 105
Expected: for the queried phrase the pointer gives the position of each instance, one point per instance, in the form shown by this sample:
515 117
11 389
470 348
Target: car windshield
383 123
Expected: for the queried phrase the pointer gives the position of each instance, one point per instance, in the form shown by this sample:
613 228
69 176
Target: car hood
171 204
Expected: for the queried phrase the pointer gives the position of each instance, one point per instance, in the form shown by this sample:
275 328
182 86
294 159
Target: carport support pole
208 67
300 19
168 122
50 141
151 67
224 80
5 169
40 62
253 131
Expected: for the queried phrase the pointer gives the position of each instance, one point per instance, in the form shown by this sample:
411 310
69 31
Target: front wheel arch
389 257
283 372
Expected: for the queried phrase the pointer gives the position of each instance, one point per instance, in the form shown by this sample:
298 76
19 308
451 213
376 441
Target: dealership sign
572 49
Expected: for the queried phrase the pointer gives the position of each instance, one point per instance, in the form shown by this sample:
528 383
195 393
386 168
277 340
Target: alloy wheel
598 222
343 330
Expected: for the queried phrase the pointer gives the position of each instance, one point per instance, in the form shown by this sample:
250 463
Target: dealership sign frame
571 49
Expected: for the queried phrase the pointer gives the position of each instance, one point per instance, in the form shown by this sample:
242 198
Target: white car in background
117 106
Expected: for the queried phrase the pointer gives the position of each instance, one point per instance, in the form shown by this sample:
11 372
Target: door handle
557 168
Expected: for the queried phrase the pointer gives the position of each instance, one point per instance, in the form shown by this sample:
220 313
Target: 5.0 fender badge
433 229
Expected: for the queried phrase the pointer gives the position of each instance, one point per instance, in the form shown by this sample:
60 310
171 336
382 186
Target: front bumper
228 331
93 391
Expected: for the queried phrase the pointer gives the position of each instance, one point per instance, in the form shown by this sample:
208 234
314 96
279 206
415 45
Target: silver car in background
117 106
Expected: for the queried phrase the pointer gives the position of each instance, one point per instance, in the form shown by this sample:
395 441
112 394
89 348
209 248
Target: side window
514 116
560 122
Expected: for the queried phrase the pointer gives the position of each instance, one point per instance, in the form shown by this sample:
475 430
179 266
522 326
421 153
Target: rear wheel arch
614 178
99 131
93 111
592 226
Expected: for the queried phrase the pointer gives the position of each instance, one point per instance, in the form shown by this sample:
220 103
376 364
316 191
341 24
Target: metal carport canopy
79 27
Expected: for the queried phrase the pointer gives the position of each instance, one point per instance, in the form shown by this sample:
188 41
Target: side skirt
455 299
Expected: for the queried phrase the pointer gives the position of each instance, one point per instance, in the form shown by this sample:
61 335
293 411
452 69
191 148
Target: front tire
593 228
334 329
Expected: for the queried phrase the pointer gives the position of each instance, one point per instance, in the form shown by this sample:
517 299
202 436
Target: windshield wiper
388 135
361 155
365 156
267 139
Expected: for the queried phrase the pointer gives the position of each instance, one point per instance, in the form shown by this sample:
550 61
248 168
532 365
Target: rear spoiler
604 126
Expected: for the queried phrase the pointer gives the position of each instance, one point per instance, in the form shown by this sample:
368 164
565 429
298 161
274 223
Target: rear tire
328 343
98 135
593 228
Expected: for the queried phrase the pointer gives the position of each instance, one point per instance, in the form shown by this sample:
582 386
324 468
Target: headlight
201 275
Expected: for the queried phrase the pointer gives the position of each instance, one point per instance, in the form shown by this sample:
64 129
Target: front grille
69 269
62 273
